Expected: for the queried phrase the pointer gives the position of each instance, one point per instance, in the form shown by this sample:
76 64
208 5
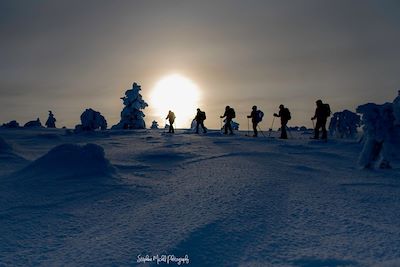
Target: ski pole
220 120
248 126
272 125
259 128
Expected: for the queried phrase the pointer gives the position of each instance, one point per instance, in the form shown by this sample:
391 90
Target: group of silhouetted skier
322 112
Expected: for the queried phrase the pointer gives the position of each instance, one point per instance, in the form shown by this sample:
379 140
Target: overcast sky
70 55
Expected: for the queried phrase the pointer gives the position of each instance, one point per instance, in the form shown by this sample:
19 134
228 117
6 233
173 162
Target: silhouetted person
255 119
285 116
322 112
171 117
229 114
51 121
200 117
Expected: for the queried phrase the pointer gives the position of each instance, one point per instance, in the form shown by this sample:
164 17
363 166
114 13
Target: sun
177 93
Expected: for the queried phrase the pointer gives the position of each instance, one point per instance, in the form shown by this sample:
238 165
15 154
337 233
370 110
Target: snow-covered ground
221 200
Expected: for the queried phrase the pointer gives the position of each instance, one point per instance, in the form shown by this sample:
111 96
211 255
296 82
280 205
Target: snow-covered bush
235 125
11 124
91 120
154 125
344 124
132 115
33 124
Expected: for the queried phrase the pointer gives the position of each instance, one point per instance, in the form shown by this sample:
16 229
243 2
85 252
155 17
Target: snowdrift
70 161
8 157
65 173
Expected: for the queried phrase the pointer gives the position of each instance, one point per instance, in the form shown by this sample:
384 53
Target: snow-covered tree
91 120
33 124
51 120
11 124
396 109
379 135
132 115
154 125
344 124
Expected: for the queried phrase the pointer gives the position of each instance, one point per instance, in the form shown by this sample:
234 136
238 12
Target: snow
104 198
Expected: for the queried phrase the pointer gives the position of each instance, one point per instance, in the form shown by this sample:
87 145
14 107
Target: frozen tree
91 120
396 109
154 125
132 115
344 124
379 134
51 120
33 124
11 124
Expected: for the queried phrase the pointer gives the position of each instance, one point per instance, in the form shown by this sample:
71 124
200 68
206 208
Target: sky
69 55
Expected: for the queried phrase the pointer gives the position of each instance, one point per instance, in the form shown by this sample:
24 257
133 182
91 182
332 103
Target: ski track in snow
222 200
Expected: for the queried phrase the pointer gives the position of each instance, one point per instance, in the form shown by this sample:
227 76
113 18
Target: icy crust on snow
71 161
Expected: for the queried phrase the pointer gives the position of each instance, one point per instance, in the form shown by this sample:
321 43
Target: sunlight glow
179 94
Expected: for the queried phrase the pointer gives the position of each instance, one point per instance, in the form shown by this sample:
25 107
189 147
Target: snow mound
9 159
71 161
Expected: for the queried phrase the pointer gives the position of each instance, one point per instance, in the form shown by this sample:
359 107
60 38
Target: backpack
328 111
203 115
232 111
289 116
260 115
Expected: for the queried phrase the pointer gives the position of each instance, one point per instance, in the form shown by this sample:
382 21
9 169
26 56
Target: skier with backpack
322 112
171 117
200 118
229 114
256 117
285 116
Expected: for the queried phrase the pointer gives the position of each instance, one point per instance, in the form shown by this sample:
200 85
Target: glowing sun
176 93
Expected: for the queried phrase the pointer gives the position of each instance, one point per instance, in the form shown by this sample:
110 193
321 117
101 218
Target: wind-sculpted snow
8 158
4 147
71 161
221 200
